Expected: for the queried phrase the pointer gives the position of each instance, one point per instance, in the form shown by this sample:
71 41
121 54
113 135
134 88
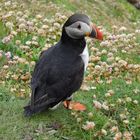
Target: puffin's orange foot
67 104
74 105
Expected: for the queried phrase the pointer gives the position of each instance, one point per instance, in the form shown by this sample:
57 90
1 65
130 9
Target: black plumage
59 71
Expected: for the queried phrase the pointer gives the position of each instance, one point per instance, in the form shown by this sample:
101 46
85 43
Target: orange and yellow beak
95 33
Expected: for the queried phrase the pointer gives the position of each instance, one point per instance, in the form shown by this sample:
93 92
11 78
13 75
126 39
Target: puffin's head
79 26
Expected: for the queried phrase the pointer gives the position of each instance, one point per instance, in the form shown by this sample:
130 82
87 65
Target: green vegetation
111 87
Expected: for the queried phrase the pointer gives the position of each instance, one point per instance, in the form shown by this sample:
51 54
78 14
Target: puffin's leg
67 102
73 105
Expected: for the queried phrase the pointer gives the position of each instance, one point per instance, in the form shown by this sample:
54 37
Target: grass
15 125
63 124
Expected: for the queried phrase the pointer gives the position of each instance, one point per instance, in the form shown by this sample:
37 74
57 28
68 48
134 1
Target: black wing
54 80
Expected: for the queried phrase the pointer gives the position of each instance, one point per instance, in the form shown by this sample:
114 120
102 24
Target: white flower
45 27
38 16
32 63
105 44
114 129
24 47
133 118
8 3
104 52
137 31
79 120
128 99
28 43
122 63
22 26
104 132
118 136
89 125
94 58
57 25
8 55
90 114
136 91
18 42
47 45
58 15
116 69
122 29
122 116
117 58
111 37
110 59
41 31
97 67
122 36
124 51
97 104
130 35
13 33
107 94
5 67
30 23
127 135
21 60
110 54
114 27
63 17
92 87
111 91
114 50
34 38
94 96
6 39
9 25
19 13
135 102
21 21
126 121
34 43
45 20
105 107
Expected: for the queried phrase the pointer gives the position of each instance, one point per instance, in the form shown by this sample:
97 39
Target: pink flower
8 55
110 69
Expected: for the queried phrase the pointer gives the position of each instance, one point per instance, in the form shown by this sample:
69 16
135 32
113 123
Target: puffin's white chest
85 57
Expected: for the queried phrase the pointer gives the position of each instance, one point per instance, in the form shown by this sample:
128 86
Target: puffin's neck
76 45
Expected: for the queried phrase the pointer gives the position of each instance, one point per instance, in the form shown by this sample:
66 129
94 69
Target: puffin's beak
95 33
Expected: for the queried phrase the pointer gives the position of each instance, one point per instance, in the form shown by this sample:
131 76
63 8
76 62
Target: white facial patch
78 30
85 57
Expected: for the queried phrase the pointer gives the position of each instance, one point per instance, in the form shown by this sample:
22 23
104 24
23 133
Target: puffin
59 72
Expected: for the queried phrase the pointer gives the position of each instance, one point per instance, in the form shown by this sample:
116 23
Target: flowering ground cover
111 88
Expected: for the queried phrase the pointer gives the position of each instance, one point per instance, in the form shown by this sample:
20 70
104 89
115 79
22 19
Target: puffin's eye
79 26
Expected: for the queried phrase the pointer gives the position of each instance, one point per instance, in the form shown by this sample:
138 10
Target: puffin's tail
28 112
